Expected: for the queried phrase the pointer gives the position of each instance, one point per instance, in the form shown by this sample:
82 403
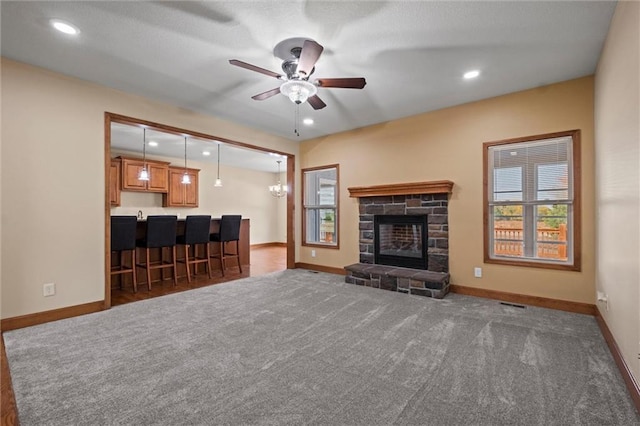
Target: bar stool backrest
161 231
196 229
123 232
230 227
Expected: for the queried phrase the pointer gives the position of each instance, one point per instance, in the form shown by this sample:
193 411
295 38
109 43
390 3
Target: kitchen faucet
139 214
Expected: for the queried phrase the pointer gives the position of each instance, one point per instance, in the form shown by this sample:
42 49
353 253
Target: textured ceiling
412 53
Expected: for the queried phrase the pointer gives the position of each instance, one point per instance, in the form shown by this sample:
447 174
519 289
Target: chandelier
278 190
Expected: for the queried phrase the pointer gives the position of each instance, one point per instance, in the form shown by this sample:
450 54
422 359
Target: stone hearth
420 198
404 280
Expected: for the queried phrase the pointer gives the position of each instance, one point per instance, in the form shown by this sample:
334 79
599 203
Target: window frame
574 212
329 245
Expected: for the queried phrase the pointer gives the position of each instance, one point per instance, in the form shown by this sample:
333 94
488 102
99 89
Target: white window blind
531 171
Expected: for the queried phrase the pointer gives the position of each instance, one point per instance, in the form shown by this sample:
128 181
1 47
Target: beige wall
617 117
256 204
447 144
53 181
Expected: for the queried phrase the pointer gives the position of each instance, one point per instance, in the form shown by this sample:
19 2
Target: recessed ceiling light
153 143
64 27
206 153
471 74
308 121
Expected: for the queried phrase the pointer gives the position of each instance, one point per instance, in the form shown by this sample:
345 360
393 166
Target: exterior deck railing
551 243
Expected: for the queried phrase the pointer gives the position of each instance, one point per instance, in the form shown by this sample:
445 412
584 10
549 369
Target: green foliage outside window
553 216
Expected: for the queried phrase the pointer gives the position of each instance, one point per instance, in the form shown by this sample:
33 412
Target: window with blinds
320 206
531 201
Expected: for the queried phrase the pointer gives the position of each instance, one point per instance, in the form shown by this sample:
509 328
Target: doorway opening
111 118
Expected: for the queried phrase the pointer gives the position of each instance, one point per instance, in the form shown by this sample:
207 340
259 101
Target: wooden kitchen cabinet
114 182
158 175
180 194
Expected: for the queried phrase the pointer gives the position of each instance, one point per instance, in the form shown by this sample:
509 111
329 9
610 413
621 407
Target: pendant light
278 190
218 181
144 173
185 177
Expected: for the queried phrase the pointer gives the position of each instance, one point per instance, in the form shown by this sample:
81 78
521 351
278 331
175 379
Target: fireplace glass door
401 240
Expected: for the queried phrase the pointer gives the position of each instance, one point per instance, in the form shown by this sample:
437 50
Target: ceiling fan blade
254 68
345 83
266 95
308 57
316 102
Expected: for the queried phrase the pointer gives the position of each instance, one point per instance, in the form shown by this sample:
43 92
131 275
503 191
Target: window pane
552 181
327 192
508 233
312 226
327 225
321 226
320 187
507 184
551 232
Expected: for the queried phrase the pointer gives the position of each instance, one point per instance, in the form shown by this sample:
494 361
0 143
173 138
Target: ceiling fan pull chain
296 119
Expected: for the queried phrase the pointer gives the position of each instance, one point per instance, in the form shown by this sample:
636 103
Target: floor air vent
513 304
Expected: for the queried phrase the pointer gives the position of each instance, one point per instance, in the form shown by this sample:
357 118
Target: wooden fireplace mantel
412 188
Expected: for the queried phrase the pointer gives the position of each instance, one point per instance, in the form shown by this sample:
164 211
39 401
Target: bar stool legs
229 232
196 232
188 260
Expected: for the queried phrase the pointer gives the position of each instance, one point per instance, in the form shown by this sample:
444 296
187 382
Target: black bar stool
229 232
196 231
161 233
123 239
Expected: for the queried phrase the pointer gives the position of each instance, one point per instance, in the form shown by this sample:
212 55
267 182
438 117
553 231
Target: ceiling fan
297 70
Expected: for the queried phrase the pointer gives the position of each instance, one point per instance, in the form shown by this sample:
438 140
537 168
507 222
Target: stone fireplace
407 205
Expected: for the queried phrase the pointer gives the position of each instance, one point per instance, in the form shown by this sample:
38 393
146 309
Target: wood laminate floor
263 261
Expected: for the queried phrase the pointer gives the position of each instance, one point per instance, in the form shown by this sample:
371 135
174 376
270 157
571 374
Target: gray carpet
297 347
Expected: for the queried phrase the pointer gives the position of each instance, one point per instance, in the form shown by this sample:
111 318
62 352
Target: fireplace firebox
401 240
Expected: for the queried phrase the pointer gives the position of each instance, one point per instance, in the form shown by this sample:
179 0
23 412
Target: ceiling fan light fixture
298 90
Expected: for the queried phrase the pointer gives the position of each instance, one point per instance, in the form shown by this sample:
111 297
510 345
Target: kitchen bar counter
244 246
215 226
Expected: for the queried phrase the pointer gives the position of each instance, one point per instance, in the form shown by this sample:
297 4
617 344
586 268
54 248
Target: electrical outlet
313 253
49 289
477 272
